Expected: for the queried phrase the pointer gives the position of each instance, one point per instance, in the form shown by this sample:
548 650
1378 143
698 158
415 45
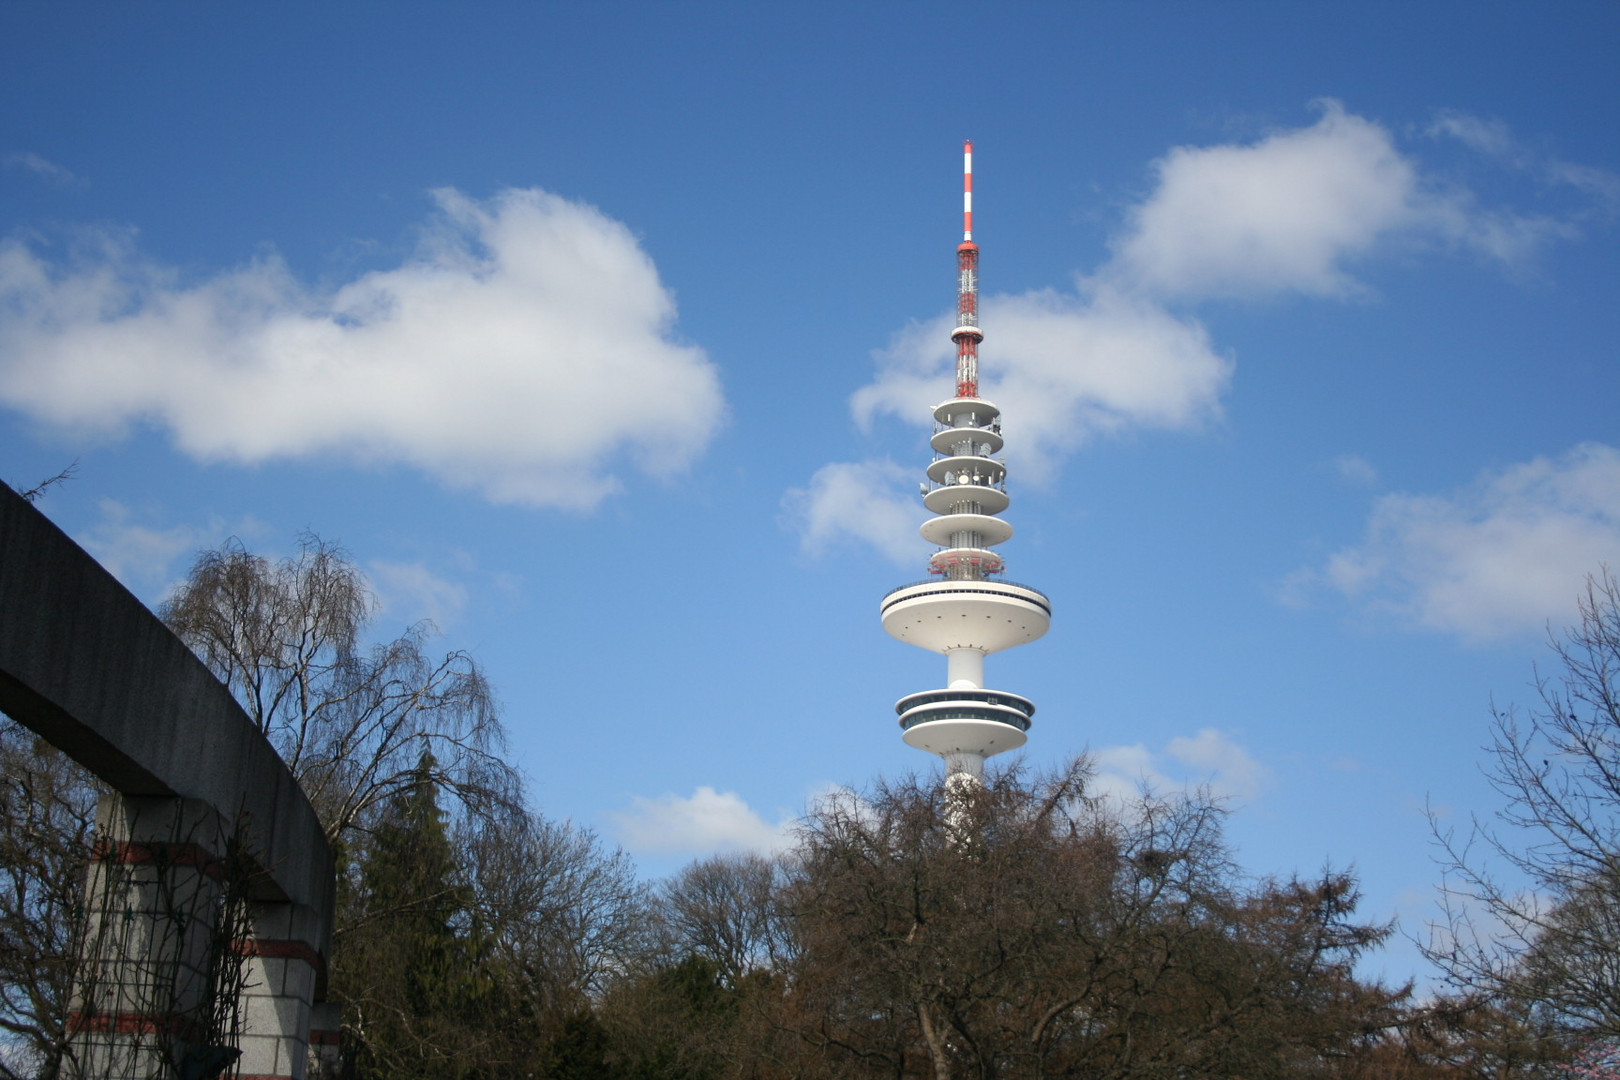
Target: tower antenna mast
967 335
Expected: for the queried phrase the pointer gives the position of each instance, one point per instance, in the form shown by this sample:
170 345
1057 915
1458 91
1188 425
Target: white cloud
1287 213
1214 759
1356 469
1508 237
150 560
1210 760
1503 555
417 592
1278 215
140 556
707 822
1122 771
144 557
1493 138
1490 137
1065 368
1601 185
46 170
527 351
871 501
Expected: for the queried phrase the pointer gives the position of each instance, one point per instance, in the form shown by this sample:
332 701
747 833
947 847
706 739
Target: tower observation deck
965 611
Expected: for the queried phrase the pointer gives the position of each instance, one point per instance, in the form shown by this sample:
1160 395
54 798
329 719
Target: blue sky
604 336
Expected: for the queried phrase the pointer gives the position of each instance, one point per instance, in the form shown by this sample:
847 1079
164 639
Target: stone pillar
184 976
325 1040
148 1002
283 966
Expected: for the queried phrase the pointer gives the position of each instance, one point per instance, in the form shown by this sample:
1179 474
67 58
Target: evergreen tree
408 974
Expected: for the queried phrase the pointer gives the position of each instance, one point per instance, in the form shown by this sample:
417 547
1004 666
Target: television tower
965 611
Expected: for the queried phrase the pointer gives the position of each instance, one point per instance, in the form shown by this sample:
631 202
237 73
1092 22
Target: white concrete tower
965 611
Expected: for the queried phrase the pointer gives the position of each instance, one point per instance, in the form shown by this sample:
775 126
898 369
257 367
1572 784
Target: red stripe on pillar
280 950
136 1024
160 854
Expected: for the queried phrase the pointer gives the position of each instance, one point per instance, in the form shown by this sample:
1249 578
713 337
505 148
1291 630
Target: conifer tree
407 971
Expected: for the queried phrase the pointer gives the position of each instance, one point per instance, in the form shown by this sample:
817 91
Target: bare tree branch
1531 900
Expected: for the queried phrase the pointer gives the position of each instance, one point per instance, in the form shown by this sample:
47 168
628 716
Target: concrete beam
84 664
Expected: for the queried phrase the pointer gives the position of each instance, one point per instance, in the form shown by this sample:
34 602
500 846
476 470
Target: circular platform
982 737
965 703
978 561
984 615
992 530
984 440
966 412
988 500
978 468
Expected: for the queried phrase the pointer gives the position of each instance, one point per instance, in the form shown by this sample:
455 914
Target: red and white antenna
967 191
967 335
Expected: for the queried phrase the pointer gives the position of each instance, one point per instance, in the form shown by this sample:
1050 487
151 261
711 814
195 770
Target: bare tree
724 909
41 489
562 915
1531 900
351 723
47 815
1029 930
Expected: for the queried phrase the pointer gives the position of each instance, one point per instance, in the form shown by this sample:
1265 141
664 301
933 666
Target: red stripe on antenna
967 190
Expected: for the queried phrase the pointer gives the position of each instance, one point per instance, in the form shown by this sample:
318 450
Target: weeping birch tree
352 722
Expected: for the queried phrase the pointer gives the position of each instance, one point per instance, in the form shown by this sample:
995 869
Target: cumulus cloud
1287 213
704 823
526 351
1503 555
48 171
874 502
1223 764
140 556
1210 760
146 558
1067 367
416 591
1276 215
